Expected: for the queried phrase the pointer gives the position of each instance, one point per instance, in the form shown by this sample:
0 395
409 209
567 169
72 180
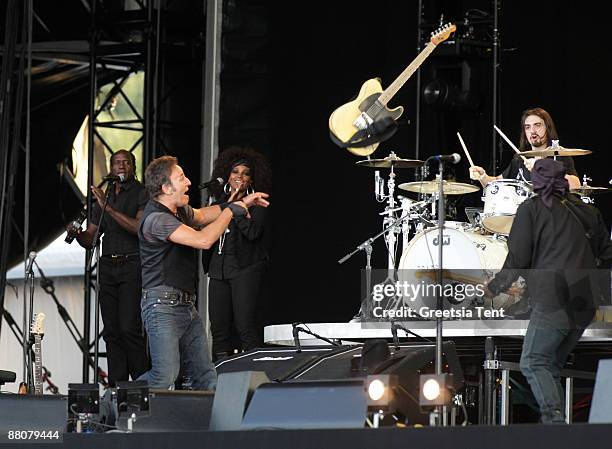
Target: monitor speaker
29 412
171 411
234 392
601 406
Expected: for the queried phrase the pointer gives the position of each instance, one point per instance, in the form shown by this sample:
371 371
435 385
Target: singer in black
238 261
120 272
537 133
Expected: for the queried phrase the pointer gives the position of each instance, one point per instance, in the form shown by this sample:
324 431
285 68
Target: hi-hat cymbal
556 151
391 161
432 187
586 190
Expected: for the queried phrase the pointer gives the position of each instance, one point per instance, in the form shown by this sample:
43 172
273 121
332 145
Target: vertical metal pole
505 397
417 120
488 382
569 399
90 180
26 209
210 119
495 81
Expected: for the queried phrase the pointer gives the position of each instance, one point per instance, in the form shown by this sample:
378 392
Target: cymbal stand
389 213
585 198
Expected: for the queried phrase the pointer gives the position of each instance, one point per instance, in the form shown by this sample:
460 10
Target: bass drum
472 259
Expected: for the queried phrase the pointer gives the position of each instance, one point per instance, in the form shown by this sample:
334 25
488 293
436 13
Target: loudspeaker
336 404
282 363
234 391
171 411
28 412
601 406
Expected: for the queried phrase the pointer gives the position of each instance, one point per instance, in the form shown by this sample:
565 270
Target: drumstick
509 142
465 150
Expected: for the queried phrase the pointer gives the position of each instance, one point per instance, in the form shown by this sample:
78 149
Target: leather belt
172 297
118 258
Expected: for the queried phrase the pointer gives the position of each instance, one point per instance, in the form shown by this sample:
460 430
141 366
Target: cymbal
391 161
432 187
585 190
556 151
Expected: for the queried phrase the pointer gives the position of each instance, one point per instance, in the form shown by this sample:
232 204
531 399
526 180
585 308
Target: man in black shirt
120 284
537 133
559 245
170 232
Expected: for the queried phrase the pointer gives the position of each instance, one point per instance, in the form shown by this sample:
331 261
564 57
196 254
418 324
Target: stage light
381 390
435 389
431 389
376 390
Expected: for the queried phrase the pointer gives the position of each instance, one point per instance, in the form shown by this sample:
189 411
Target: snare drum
501 200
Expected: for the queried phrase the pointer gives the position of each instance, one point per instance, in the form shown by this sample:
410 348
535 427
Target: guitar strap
588 232
376 132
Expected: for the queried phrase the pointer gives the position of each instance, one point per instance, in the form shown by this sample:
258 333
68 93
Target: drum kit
478 245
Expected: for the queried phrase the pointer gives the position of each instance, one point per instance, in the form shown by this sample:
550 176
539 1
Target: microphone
31 258
212 182
395 337
452 158
114 178
296 337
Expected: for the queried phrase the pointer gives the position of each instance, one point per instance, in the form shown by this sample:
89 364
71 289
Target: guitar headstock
443 33
37 324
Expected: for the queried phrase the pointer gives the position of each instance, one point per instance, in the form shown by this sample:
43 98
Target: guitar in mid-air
350 122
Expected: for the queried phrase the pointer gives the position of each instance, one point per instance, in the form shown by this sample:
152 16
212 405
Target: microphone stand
439 276
367 247
96 253
395 326
297 329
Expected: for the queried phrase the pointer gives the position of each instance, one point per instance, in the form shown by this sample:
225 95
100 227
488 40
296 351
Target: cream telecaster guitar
371 103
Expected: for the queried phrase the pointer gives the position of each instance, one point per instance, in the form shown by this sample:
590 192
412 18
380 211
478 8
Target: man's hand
530 162
256 199
99 194
477 172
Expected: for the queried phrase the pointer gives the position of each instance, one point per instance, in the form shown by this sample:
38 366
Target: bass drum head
468 255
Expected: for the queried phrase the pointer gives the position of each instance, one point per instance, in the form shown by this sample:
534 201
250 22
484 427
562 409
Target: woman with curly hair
238 261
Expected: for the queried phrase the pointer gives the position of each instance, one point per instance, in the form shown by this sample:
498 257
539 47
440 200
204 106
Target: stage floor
471 437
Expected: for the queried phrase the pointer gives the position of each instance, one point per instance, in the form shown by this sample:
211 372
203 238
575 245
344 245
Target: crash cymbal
556 151
431 187
391 161
586 190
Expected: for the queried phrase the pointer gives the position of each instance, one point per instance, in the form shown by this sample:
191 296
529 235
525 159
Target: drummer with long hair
238 261
537 133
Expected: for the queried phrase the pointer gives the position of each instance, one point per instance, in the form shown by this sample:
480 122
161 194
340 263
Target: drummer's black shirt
517 169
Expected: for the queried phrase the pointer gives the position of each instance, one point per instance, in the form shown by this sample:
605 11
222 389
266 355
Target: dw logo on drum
445 240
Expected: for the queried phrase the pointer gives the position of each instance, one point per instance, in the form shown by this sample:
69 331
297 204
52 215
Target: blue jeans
549 339
176 340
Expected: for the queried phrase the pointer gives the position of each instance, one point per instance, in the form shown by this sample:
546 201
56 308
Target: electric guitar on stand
354 124
36 334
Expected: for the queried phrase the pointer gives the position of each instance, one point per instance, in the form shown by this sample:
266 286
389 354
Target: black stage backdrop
310 57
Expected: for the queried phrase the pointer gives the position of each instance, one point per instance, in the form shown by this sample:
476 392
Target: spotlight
431 389
435 389
376 390
381 390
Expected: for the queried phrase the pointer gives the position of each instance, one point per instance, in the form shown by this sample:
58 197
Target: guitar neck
396 85
38 383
